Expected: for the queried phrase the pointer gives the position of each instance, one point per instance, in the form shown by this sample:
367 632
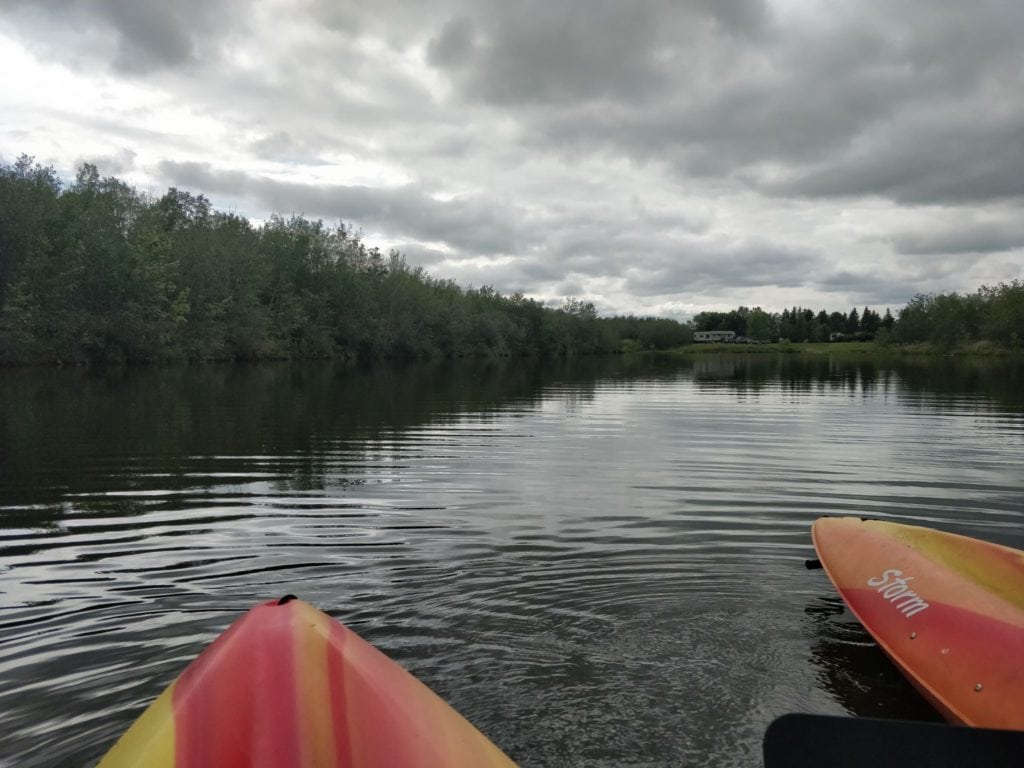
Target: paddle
822 741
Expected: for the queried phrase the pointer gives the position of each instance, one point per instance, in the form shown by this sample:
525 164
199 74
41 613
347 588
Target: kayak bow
287 685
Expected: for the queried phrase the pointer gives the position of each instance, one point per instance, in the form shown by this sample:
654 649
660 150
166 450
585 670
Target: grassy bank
809 348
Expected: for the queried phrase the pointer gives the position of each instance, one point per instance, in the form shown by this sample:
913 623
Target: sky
655 157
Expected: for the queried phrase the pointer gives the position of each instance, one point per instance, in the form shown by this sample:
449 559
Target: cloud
453 46
131 36
951 159
116 164
484 226
871 289
963 237
916 104
711 268
920 108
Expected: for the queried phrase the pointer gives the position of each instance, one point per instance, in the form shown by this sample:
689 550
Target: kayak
287 685
948 610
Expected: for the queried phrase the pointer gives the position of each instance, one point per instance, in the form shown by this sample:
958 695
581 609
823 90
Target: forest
94 271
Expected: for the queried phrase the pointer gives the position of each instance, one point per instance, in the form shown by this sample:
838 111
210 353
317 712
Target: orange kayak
287 685
947 609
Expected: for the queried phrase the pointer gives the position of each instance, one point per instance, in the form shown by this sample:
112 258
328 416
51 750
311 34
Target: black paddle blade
820 741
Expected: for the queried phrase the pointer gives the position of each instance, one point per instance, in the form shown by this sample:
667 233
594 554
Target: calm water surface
598 564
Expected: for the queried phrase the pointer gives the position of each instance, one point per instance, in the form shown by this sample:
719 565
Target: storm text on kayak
893 586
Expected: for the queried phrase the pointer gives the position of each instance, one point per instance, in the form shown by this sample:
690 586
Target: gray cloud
917 103
922 108
703 268
482 226
114 164
871 289
963 237
133 37
963 159
539 52
421 256
454 45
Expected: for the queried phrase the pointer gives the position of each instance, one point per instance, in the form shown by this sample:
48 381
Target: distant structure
700 336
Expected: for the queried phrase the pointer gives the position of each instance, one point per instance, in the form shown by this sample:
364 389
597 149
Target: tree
759 324
870 321
28 202
888 321
852 322
575 307
1002 309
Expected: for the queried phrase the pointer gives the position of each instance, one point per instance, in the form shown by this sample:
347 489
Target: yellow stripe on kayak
997 569
312 629
150 740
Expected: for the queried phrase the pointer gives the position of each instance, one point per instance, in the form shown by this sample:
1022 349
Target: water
598 563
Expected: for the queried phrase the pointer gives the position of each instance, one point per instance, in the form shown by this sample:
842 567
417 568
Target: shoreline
852 349
834 349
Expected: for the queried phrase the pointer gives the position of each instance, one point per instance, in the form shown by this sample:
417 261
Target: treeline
96 271
797 324
992 314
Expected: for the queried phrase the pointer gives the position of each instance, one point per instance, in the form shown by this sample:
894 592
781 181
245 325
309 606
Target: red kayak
947 609
287 685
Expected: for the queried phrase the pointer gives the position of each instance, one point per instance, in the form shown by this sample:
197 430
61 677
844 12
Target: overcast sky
659 157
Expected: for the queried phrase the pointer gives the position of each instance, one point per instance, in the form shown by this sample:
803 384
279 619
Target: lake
598 562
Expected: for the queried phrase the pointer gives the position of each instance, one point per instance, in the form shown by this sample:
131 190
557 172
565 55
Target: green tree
870 321
759 324
1002 313
888 321
852 322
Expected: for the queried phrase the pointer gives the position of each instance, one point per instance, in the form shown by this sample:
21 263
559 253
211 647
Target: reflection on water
598 562
942 380
852 667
